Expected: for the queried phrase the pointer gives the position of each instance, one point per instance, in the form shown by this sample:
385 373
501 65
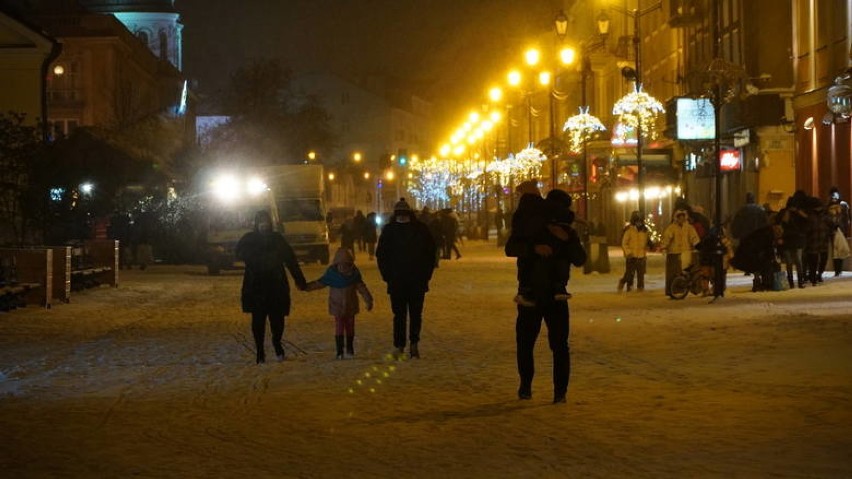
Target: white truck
299 195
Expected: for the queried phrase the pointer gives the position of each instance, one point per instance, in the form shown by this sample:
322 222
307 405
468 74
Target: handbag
840 247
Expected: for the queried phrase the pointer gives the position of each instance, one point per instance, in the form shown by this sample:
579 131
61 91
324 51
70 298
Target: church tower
155 22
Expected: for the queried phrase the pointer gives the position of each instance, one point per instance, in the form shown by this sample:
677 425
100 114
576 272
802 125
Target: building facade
378 131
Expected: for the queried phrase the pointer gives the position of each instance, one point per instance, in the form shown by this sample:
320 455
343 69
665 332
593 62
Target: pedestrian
265 290
406 258
748 218
839 246
358 230
793 220
841 211
448 224
369 234
529 249
348 235
678 240
634 243
345 284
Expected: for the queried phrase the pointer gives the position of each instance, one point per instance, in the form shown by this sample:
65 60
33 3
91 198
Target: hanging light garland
580 128
526 164
639 108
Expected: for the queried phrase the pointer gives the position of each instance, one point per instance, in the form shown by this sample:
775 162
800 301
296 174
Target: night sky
447 51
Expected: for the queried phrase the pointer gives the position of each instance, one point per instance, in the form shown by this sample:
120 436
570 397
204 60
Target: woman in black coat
266 291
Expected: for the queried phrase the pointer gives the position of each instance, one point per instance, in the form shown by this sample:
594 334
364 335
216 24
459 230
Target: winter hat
529 187
559 197
343 255
402 206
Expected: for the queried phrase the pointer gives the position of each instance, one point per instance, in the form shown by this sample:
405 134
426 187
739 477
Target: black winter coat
265 285
406 256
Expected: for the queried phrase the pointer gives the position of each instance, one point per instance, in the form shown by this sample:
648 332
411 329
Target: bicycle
695 279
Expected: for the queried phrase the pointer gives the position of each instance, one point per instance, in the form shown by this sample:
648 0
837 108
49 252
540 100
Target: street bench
25 277
93 264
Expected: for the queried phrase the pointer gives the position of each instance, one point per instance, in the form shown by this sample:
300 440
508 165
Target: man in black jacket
549 305
406 258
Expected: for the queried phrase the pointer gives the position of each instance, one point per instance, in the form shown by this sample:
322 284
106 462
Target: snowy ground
155 378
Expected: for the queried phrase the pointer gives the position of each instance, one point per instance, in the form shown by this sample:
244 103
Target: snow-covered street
156 378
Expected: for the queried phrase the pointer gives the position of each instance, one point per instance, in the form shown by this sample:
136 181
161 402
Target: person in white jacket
678 241
634 242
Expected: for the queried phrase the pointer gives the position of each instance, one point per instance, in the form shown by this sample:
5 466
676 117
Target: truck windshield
232 219
302 209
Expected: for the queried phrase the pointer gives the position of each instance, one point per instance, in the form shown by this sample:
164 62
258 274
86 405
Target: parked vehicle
299 195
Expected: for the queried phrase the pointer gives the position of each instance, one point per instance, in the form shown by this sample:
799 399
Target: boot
261 356
338 339
413 351
350 345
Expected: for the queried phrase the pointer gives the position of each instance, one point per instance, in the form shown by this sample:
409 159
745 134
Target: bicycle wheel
680 287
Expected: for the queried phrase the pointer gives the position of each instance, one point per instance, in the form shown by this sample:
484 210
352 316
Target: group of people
360 231
406 259
807 236
542 240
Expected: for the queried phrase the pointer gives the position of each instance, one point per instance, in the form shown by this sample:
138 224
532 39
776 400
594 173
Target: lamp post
560 24
637 15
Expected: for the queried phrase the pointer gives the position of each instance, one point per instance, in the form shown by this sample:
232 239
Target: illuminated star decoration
639 108
580 128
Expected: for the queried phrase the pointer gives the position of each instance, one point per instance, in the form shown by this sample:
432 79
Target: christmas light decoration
580 128
638 108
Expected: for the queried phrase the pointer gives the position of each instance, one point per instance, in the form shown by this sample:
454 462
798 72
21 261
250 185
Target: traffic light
402 157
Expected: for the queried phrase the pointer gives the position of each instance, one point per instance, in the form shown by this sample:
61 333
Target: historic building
26 53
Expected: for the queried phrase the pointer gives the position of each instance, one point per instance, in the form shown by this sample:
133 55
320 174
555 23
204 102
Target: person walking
369 234
266 291
748 218
358 230
634 243
345 284
554 312
793 220
406 258
678 240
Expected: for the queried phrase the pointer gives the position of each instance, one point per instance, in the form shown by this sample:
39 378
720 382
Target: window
143 36
164 45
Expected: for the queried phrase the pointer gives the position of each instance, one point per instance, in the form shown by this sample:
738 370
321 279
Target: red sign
730 160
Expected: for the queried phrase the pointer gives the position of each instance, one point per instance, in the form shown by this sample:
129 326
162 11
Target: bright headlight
255 186
226 188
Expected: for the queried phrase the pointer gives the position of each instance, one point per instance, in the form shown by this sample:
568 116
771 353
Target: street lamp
637 14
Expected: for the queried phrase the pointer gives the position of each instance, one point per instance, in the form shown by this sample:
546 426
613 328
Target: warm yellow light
495 94
366 175
473 117
495 116
59 70
514 78
532 57
445 149
567 55
459 149
389 175
356 157
414 157
487 125
544 78
312 155
466 127
331 177
410 176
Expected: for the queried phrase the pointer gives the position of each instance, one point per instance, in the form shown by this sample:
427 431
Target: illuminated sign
696 119
730 160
